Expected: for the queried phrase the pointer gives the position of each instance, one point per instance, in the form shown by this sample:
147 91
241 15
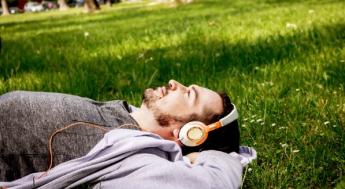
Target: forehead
209 101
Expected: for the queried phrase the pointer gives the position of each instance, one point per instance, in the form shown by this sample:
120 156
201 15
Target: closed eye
195 94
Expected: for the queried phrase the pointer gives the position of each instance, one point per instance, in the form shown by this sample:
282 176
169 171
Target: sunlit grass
282 62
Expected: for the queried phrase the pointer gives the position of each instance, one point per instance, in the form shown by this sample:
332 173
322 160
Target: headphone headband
232 116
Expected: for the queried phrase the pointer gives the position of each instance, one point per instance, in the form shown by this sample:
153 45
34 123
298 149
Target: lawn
282 62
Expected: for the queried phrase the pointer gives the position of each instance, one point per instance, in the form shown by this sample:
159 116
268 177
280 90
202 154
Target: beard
164 119
149 98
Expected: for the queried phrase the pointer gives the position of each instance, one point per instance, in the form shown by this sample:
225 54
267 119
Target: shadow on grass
197 55
217 57
335 73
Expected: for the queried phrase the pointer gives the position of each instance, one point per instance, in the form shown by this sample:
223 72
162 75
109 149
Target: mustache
144 97
167 86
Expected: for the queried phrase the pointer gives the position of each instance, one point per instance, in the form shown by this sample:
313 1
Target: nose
194 86
174 85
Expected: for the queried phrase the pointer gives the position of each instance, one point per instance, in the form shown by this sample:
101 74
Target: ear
175 128
176 132
176 138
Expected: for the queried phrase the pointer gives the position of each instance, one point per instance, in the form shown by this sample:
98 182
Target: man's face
175 104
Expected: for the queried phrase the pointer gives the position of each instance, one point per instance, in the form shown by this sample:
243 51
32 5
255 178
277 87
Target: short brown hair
226 139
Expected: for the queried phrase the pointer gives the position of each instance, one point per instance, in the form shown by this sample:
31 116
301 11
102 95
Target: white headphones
195 133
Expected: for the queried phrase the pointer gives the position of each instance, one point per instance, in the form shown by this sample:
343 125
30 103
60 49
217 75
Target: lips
162 91
159 92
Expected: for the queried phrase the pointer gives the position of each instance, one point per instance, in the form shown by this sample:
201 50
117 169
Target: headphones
195 133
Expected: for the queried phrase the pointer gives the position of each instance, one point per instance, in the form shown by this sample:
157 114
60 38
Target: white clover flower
217 54
291 26
259 120
284 145
244 125
263 123
326 122
211 23
141 55
311 11
295 151
280 128
245 119
86 34
297 90
273 124
252 121
334 126
250 169
342 61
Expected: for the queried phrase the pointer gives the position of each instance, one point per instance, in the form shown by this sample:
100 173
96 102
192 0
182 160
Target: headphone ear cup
193 133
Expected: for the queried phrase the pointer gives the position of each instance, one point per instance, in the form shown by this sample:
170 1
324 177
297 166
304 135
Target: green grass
288 82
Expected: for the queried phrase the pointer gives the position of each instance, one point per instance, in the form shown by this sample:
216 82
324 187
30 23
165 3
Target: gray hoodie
135 159
28 120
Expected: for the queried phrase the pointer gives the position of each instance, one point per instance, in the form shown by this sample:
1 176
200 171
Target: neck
147 122
145 119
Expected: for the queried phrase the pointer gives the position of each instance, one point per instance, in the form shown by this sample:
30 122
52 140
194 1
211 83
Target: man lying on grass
113 144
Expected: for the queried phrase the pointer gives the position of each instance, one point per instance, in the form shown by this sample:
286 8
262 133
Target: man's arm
224 171
211 169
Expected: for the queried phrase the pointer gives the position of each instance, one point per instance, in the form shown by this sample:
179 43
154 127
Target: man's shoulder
119 103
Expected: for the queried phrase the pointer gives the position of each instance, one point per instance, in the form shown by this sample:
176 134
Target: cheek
172 104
